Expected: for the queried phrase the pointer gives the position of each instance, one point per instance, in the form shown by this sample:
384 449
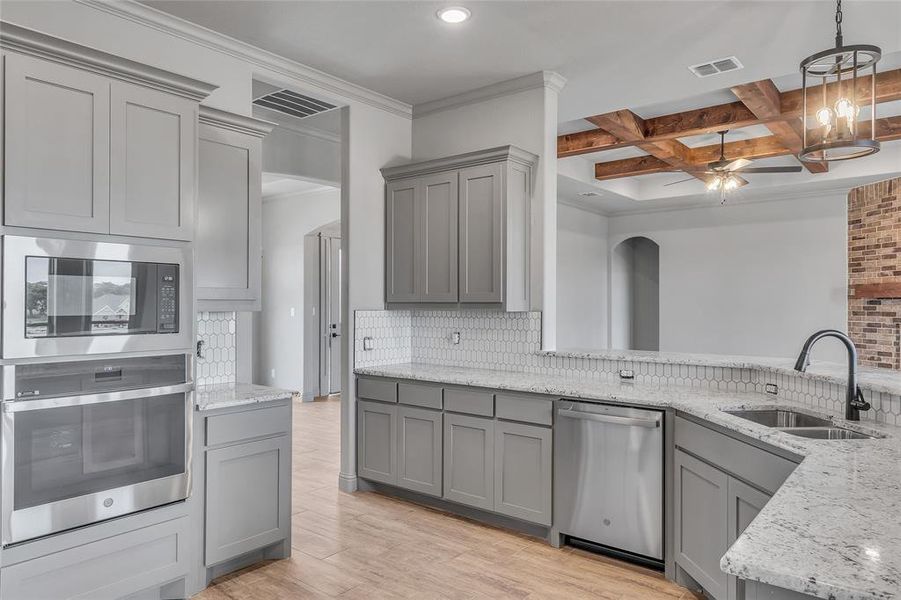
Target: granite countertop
224 395
833 530
870 378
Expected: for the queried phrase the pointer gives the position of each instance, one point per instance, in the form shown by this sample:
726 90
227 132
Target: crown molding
233 122
461 161
213 40
542 79
34 43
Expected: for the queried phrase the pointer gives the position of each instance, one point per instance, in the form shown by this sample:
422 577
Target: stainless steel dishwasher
608 478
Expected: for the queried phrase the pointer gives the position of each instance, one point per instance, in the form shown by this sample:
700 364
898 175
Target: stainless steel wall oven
86 441
71 297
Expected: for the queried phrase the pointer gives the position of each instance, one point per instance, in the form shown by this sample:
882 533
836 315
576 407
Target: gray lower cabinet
228 246
700 498
419 450
248 497
56 152
745 503
112 567
377 441
523 471
469 460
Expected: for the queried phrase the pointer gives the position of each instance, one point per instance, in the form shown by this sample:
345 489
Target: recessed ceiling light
454 14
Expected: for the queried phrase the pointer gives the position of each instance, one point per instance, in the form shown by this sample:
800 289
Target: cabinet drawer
525 408
755 465
427 396
108 568
377 389
471 402
247 424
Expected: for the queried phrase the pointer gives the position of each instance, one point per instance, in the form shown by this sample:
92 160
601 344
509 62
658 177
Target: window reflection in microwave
78 297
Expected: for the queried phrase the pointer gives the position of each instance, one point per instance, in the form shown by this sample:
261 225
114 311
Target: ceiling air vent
720 65
292 103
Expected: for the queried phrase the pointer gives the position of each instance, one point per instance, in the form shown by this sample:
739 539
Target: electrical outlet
292 312
272 373
627 374
368 343
455 338
772 388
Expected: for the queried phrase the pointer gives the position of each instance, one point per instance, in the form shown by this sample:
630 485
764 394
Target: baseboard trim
347 483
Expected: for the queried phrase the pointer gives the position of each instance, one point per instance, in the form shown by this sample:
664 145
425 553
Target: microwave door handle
612 419
14 406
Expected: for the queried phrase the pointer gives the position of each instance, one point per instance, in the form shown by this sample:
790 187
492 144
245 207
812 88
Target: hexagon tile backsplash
217 363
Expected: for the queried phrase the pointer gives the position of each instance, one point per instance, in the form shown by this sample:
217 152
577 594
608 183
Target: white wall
297 148
521 112
754 278
286 220
581 278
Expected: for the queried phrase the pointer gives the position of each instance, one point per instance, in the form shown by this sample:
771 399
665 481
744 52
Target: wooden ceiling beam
887 129
715 118
764 100
627 126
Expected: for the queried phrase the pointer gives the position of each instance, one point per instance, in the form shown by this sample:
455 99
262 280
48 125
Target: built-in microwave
72 297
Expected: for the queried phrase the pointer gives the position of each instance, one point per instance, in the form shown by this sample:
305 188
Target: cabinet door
248 497
419 450
228 246
700 508
482 234
56 146
522 471
402 242
377 441
437 203
469 460
152 163
745 502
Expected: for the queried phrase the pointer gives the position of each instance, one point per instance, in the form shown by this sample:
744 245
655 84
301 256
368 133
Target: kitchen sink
781 418
829 433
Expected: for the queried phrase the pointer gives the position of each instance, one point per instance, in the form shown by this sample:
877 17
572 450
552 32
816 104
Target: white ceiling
614 54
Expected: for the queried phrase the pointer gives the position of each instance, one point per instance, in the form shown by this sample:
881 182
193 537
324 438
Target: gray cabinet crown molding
34 43
469 159
234 122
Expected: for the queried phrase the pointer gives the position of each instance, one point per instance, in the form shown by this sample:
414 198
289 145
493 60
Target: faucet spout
854 401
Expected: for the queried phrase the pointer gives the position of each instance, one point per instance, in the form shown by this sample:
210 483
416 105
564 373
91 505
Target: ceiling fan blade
680 181
736 164
741 181
793 169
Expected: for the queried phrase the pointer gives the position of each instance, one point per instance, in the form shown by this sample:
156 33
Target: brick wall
874 256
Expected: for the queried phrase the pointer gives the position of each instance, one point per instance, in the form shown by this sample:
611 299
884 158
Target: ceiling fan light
714 183
731 183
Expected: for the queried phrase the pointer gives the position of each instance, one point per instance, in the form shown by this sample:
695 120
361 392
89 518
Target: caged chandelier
833 87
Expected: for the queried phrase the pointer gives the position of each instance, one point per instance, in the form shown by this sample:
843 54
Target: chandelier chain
838 21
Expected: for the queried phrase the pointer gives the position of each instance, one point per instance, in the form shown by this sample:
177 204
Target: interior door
330 325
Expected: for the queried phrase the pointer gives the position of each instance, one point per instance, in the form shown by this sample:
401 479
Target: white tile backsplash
218 363
512 342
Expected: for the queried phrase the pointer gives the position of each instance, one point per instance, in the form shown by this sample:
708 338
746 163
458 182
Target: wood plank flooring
366 545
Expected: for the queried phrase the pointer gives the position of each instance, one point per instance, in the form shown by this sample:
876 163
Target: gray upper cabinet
419 450
152 163
438 268
457 230
700 500
481 234
523 472
228 231
469 460
56 146
377 441
248 497
402 242
118 137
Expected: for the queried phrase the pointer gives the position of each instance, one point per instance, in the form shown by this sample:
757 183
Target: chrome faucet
854 402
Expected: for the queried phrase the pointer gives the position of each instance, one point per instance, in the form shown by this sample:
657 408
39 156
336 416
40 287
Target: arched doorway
635 295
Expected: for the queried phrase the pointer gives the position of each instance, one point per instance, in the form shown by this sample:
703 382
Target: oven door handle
14 406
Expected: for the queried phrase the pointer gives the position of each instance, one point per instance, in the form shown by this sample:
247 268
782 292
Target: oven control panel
167 289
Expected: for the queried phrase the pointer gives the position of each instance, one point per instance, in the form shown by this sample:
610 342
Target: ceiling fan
723 174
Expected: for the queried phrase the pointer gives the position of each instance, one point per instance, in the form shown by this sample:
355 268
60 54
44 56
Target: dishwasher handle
612 419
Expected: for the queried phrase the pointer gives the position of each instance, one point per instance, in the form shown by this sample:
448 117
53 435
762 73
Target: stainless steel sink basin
780 418
829 433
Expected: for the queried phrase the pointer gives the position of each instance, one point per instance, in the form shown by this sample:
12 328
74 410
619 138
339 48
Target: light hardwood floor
366 545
